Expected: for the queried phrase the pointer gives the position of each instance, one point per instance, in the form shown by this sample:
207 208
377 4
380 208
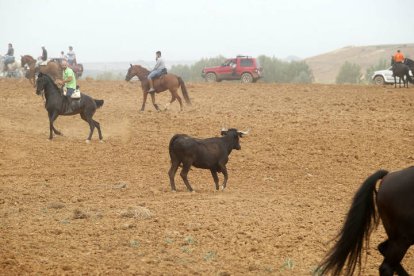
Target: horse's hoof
173 191
88 141
223 188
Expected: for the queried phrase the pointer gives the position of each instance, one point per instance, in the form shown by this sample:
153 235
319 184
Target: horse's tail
409 78
361 217
184 90
99 103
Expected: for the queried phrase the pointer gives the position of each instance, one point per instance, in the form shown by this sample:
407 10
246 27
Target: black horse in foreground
402 70
394 203
58 104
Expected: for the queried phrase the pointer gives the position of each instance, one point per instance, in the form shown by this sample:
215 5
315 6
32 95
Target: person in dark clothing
44 53
43 58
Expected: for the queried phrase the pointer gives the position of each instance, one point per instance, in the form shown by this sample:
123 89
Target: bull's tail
184 90
99 103
170 149
361 217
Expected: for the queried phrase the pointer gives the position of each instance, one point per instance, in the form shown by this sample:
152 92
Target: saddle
72 103
163 72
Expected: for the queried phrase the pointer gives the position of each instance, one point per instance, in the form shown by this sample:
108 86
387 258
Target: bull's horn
224 129
245 132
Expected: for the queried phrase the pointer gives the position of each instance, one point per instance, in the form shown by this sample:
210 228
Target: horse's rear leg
174 96
393 252
89 120
98 126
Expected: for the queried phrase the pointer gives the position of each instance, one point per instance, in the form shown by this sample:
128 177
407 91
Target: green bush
349 73
381 65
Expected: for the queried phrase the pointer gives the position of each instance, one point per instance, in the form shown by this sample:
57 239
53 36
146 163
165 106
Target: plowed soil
67 207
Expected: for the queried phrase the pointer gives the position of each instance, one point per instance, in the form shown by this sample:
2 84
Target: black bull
211 153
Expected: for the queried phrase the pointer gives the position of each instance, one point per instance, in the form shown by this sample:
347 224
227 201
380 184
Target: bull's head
232 132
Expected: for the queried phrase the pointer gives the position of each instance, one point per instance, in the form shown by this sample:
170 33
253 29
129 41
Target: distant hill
325 67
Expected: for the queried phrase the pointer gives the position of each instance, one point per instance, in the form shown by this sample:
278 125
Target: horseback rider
9 57
157 71
43 58
398 57
71 56
69 80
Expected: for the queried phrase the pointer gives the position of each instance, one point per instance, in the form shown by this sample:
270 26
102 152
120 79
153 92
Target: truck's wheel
246 78
379 80
211 77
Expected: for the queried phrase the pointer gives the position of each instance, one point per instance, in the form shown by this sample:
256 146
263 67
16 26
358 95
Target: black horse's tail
361 217
409 78
99 103
184 90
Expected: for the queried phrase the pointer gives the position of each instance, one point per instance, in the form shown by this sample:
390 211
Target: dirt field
67 207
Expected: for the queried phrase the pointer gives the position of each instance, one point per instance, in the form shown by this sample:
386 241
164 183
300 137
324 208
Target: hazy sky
127 30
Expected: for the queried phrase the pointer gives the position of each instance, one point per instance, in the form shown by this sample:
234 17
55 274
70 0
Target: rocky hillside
326 66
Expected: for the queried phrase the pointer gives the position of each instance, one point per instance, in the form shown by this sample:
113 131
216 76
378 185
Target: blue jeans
69 92
154 74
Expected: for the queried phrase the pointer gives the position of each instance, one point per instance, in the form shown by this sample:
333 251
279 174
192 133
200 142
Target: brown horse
167 81
52 68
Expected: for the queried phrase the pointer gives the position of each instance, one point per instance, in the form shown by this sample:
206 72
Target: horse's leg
215 177
175 95
52 117
172 172
98 126
153 102
144 100
393 252
382 248
184 173
89 120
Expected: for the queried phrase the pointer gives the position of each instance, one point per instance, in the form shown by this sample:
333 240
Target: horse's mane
142 69
50 80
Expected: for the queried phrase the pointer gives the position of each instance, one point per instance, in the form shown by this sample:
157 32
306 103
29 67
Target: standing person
69 79
157 71
62 55
71 56
9 57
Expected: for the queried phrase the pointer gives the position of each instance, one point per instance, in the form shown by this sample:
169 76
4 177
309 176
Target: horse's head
130 74
41 83
136 70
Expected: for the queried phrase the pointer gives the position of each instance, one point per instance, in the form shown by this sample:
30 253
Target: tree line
274 70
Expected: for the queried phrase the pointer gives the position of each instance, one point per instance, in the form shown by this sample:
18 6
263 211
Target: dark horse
57 104
401 70
164 82
395 206
52 68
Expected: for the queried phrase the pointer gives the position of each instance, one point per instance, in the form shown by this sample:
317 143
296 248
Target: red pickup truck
243 68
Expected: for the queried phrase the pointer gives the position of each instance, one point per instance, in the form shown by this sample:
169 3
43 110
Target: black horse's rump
395 206
56 104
